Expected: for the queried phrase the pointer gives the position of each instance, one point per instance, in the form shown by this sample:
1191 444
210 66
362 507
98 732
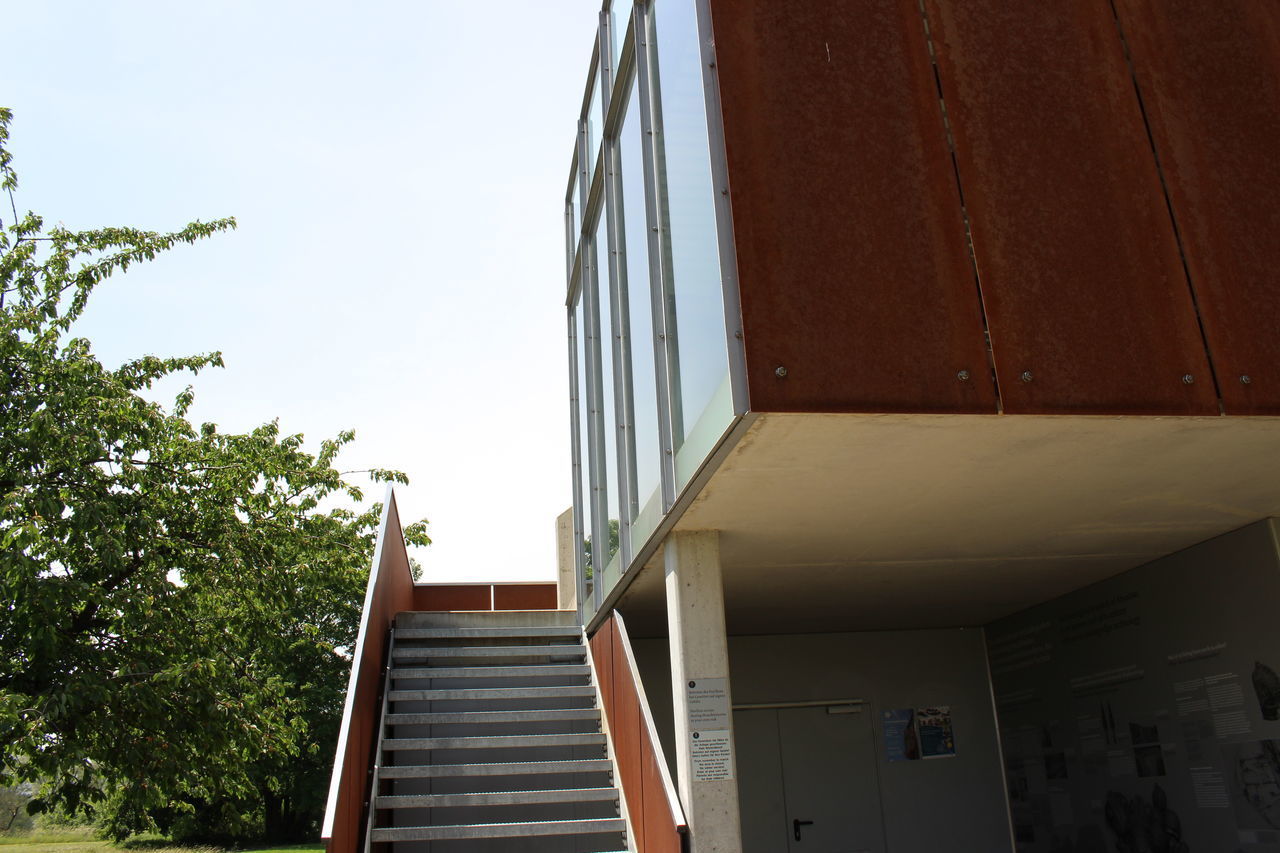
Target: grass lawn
81 840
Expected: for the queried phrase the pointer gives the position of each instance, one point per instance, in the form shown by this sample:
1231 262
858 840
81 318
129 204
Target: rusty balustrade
653 807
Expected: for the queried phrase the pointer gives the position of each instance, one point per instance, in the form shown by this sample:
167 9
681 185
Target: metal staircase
490 739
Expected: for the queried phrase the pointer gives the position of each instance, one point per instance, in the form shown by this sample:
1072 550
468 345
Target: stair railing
371 805
653 805
390 591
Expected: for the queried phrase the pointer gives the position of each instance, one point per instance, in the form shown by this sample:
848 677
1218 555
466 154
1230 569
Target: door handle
797 823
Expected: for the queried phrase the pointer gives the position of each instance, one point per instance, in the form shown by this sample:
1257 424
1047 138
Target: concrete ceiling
867 522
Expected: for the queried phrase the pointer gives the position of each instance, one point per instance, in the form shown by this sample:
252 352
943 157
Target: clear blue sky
397 170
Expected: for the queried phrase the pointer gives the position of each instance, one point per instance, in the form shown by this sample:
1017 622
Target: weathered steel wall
525 596
1080 271
644 782
853 267
1209 75
390 591
485 596
1093 183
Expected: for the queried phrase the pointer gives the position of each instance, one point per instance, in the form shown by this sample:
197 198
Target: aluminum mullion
595 428
568 239
659 256
584 178
604 50
595 425
575 433
724 213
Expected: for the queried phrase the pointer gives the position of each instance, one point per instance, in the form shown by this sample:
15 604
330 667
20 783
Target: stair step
498 798
418 652
530 671
479 633
492 741
486 619
486 717
499 830
518 768
492 693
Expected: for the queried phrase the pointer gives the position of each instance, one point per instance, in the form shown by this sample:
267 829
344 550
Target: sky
397 170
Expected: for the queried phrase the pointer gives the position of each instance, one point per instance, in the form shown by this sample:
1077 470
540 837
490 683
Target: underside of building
925 403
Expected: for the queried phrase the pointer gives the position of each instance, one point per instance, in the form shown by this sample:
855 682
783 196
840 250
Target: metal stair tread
481 718
528 671
500 768
591 826
494 741
498 798
492 693
478 633
559 650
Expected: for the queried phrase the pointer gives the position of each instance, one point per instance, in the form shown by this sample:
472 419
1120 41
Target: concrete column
700 655
567 574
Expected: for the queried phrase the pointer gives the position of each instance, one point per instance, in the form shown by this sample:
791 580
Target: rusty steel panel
525 596
1087 303
625 729
393 592
1209 74
461 596
660 834
602 655
853 267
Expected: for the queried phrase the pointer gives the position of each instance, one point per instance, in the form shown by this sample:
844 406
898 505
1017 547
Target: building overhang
834 522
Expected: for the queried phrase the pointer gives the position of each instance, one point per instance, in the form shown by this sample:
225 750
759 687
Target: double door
808 781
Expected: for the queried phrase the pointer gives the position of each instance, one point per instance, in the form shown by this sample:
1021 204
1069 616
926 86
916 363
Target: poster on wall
915 733
937 738
900 743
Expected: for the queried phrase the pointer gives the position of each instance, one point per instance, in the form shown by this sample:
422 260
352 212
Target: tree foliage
173 598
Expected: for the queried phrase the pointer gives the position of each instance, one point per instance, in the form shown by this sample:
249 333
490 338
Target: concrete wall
1148 706
954 804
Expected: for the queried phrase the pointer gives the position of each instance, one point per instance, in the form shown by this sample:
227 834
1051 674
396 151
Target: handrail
371 809
390 590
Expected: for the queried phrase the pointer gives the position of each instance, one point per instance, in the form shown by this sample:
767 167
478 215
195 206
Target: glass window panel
702 362
595 125
584 516
575 220
617 29
607 488
648 460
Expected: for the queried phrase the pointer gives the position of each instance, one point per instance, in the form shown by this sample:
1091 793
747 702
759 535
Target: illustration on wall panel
1134 719
1255 769
1139 826
1267 685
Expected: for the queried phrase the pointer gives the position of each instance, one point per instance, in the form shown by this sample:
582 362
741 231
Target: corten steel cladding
625 725
852 260
602 655
454 597
1086 299
1209 75
641 776
660 835
525 596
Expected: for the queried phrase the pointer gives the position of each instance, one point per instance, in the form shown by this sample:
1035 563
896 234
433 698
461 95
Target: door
807 780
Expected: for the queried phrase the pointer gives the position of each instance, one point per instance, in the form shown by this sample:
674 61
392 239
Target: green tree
171 596
613 548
